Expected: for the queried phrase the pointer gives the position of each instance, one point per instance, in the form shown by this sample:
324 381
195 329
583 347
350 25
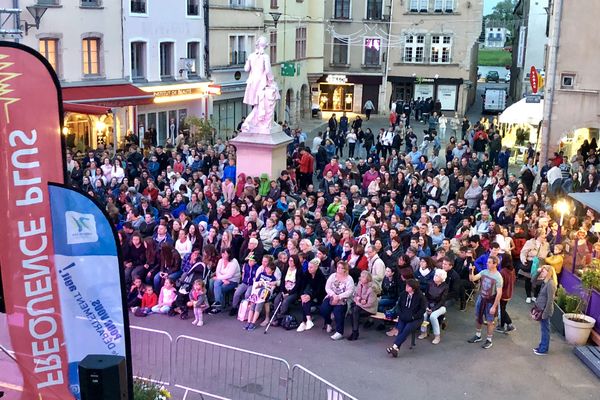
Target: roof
591 200
107 95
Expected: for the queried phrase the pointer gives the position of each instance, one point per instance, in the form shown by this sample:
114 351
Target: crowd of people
391 227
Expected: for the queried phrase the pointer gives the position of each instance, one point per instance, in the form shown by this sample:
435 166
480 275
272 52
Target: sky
488 5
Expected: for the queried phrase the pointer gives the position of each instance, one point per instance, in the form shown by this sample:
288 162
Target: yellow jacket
556 261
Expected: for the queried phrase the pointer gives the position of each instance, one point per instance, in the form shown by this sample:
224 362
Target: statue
262 91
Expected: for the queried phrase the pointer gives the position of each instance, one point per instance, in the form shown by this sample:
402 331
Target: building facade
288 25
495 37
572 98
164 46
529 46
433 52
354 54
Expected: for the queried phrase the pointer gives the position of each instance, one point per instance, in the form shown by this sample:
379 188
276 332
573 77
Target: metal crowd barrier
151 354
306 385
209 370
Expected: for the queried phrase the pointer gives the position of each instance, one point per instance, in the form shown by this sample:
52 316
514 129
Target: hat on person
132 190
250 257
204 224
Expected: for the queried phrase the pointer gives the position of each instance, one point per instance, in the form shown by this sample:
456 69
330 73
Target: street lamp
37 12
562 207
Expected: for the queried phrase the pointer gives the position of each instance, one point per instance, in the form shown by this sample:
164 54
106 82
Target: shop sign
533 79
533 99
424 80
336 79
177 92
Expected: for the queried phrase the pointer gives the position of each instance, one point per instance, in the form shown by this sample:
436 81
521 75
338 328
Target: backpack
289 322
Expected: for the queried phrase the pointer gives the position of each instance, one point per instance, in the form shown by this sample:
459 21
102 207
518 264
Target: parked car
492 76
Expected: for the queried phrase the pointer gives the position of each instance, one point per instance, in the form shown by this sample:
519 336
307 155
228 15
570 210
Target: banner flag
89 279
30 157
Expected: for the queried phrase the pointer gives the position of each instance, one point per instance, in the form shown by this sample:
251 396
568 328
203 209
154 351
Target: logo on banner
81 228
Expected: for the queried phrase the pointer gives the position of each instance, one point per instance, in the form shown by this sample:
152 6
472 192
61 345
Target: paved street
453 369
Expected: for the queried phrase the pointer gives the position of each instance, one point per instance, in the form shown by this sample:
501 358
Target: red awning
107 95
85 109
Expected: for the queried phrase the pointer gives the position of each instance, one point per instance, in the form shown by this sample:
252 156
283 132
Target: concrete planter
578 332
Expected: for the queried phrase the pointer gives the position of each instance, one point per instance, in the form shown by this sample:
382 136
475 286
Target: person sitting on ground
166 298
312 293
436 300
261 291
339 288
365 301
409 309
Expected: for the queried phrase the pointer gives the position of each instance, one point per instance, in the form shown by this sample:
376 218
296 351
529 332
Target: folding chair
472 294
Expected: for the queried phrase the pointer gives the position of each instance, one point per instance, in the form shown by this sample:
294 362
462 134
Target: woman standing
508 282
545 303
339 289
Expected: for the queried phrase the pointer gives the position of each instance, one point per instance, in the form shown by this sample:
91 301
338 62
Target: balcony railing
138 6
237 57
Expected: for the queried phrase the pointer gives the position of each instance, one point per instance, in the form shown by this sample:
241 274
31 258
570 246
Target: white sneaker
528 300
309 324
194 322
337 336
534 299
200 323
301 327
329 329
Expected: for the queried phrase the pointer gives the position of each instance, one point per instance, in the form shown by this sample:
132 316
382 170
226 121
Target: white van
494 100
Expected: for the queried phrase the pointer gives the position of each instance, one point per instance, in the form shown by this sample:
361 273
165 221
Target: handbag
536 313
535 264
243 311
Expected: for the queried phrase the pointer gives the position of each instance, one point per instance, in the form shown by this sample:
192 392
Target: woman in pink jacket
365 301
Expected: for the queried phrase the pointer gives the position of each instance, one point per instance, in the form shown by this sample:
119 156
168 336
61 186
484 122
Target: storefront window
162 127
336 97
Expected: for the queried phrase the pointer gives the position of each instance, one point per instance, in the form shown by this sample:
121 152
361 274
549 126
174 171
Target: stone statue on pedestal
262 91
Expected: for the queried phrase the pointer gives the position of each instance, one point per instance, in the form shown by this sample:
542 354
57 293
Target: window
241 3
138 6
372 51
166 60
374 9
449 6
414 48
91 3
91 56
138 60
300 43
423 5
413 6
273 46
440 49
193 8
274 4
49 2
49 49
567 81
238 45
340 51
342 9
193 53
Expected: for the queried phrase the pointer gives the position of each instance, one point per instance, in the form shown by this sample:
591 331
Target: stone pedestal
260 153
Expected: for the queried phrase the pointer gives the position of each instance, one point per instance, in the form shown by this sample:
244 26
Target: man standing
369 107
488 300
306 168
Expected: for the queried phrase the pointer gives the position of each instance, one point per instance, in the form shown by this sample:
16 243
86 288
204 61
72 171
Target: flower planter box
572 285
557 320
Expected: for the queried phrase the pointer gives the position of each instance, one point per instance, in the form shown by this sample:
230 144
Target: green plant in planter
590 278
147 390
561 297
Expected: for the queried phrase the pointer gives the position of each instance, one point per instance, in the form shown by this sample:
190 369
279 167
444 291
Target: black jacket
314 286
413 310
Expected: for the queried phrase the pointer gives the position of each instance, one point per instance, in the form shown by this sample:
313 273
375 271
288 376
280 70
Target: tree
502 14
200 128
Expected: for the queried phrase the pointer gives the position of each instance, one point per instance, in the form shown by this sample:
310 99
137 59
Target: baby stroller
184 286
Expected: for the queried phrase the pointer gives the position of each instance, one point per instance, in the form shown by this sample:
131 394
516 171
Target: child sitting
166 298
135 295
261 290
149 300
198 301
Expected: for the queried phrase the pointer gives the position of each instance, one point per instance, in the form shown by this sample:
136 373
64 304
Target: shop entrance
336 97
402 92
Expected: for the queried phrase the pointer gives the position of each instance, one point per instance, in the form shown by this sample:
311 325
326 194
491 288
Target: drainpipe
206 40
17 20
551 83
383 102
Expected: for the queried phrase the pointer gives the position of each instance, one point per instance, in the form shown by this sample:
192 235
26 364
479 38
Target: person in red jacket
306 167
237 218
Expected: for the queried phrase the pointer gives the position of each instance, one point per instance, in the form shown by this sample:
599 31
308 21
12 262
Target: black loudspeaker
103 377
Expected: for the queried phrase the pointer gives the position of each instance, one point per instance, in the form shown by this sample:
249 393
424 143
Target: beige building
433 52
289 26
572 93
354 54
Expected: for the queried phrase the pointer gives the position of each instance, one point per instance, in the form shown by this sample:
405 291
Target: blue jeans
158 281
544 345
339 312
386 303
219 289
405 329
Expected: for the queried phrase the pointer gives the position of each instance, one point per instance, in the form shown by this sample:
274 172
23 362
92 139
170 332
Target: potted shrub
563 303
147 390
578 326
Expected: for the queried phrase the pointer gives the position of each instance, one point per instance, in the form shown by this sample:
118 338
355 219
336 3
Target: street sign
288 69
533 79
533 99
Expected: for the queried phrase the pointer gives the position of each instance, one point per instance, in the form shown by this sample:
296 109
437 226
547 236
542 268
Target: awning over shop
85 109
591 200
107 95
523 112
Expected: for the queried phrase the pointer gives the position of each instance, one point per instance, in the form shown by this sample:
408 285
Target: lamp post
37 12
562 207
275 16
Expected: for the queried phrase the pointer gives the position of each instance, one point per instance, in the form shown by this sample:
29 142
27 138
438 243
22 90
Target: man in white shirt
554 176
317 142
